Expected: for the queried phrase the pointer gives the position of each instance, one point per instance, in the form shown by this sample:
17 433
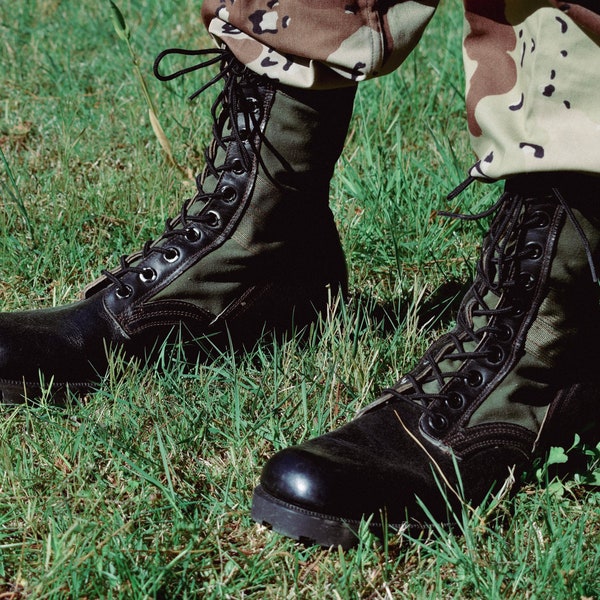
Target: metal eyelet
455 401
228 193
438 422
252 104
474 378
504 333
192 234
124 292
171 255
540 219
237 166
534 250
527 280
518 311
215 220
148 275
495 355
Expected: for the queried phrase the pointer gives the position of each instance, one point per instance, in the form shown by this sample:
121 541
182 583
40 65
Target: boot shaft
261 213
524 330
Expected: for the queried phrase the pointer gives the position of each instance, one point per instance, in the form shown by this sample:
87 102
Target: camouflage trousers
532 66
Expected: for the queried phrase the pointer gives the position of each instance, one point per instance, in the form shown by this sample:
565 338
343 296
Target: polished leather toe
66 343
368 466
373 467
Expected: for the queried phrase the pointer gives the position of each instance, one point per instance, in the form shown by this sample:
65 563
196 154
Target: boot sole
24 392
315 529
307 527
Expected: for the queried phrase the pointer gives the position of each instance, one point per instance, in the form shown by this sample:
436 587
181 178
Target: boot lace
225 111
496 274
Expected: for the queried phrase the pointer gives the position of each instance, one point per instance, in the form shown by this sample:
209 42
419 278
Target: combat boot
517 374
256 249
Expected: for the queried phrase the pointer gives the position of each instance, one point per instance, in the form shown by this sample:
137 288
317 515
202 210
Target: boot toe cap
360 470
64 344
297 476
331 483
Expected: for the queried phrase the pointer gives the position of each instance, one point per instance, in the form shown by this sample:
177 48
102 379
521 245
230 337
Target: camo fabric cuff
532 66
533 76
319 43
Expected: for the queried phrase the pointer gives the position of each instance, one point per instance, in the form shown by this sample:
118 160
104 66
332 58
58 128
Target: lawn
143 489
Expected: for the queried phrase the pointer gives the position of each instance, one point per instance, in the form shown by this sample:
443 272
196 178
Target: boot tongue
496 271
449 363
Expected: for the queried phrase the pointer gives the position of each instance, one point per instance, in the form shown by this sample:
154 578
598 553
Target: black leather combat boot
517 373
255 249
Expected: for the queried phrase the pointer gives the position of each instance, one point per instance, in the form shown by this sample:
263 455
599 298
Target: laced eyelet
495 355
237 166
147 275
504 333
527 280
192 234
455 401
171 255
228 193
252 104
243 133
474 378
215 219
540 219
124 292
534 250
517 310
438 422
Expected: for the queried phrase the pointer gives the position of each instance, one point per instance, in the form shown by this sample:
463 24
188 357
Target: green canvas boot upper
515 375
255 249
525 327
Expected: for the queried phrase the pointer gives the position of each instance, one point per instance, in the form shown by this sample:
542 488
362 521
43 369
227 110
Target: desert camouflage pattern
532 66
319 43
533 85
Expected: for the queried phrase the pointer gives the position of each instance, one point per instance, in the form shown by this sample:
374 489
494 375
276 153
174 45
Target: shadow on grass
438 309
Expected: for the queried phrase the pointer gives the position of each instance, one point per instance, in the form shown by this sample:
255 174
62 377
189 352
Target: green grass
144 489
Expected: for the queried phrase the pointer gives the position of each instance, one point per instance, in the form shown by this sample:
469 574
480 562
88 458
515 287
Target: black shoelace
494 274
224 111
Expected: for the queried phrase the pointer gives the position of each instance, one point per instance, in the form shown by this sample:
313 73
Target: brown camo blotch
326 25
496 72
584 17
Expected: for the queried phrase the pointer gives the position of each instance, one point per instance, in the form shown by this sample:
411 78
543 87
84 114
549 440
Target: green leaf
592 478
556 489
119 23
557 455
